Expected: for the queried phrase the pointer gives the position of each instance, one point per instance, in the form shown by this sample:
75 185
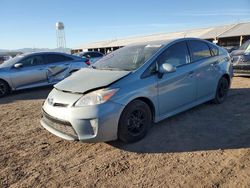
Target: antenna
60 35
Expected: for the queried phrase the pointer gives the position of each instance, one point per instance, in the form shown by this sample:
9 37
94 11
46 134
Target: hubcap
136 122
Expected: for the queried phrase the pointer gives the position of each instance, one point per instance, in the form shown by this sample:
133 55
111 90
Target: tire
4 88
134 122
222 91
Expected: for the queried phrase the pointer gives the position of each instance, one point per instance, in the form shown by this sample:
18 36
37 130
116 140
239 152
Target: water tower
60 35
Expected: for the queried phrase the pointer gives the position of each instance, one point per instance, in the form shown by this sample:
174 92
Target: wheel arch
9 89
149 103
227 77
1 79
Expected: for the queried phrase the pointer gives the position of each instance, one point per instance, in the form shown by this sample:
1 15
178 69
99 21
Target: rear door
207 67
178 88
31 74
58 67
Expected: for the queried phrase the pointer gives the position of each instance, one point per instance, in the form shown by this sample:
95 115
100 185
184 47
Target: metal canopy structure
211 33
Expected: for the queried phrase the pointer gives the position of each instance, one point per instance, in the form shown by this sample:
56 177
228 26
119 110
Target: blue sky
31 23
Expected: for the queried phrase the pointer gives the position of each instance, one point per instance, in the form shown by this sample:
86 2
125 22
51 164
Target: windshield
11 61
127 58
245 46
247 51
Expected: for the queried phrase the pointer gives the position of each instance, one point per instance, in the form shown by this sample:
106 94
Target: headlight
96 97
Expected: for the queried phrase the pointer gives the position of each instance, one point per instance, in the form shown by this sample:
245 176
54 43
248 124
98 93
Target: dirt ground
207 146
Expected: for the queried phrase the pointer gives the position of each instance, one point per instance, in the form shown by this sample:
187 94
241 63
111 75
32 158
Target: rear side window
199 50
175 55
55 58
214 50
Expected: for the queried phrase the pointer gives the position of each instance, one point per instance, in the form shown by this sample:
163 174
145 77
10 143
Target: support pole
241 39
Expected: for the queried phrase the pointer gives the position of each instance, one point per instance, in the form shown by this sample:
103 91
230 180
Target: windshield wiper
108 68
92 67
113 68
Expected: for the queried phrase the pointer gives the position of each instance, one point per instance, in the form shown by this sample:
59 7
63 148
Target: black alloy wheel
222 91
134 121
4 88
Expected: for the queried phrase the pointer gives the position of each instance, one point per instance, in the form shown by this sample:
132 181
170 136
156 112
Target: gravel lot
207 146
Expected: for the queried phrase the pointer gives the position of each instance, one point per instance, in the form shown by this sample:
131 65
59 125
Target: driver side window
32 61
175 55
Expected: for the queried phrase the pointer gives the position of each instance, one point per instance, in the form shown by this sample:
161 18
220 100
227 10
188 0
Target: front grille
60 105
59 125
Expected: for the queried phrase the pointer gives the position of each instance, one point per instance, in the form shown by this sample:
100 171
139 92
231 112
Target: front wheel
4 88
222 91
134 122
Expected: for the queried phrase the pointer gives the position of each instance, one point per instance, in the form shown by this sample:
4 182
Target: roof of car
37 53
44 53
165 42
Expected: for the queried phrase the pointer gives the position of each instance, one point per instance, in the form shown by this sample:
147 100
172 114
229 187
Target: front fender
138 90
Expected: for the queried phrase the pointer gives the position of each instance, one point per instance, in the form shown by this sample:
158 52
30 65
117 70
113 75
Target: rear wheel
4 88
222 91
134 122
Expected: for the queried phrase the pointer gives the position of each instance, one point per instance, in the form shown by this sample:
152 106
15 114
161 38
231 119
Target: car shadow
205 127
27 94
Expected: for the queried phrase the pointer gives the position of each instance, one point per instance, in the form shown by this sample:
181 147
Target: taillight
87 61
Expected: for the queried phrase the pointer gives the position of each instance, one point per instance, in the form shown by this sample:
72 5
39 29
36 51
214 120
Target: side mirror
18 65
165 68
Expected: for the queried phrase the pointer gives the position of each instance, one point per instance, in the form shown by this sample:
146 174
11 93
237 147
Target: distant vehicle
37 69
231 48
241 59
6 58
125 91
2 59
93 56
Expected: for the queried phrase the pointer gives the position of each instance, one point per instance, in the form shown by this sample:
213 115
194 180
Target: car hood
87 79
237 52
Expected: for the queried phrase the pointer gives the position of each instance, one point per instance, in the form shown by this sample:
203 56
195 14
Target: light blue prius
122 94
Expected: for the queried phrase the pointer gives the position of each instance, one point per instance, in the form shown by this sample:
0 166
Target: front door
32 72
178 88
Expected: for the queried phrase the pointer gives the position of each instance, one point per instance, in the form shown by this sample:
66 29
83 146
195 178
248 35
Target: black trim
55 120
189 53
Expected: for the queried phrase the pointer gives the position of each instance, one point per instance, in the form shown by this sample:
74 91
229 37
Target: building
227 36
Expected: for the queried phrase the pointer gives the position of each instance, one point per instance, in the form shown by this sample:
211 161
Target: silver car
37 69
122 94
